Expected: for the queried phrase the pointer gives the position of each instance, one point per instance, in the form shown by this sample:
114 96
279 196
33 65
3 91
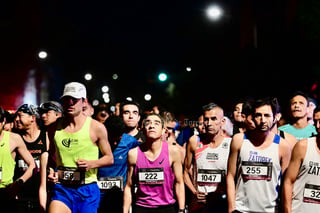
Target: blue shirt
120 156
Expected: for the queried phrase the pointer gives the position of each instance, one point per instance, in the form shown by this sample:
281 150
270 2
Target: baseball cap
75 90
50 105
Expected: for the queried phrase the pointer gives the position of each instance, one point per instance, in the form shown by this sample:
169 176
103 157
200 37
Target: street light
162 76
214 12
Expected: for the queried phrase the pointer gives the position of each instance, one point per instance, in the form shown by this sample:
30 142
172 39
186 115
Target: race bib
256 170
107 183
71 176
151 175
209 176
311 194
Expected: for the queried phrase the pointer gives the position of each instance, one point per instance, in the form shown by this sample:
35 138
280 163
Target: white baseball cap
75 90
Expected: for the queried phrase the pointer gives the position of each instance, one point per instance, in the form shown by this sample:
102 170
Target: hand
52 176
14 188
201 196
83 164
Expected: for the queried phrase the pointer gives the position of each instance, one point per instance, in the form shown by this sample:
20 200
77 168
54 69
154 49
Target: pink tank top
155 179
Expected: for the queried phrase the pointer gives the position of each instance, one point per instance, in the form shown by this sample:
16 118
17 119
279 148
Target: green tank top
73 146
7 163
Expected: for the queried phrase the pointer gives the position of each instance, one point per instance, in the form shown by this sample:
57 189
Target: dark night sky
138 39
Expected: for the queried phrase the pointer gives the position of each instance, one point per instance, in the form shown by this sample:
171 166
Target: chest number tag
256 170
151 175
209 176
107 183
311 194
71 176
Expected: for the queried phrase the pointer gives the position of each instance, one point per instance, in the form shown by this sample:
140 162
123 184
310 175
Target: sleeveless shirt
306 189
211 165
7 163
36 148
77 145
258 177
155 179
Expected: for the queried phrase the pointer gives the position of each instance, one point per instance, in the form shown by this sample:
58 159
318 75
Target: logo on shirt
67 142
314 168
161 161
212 156
254 156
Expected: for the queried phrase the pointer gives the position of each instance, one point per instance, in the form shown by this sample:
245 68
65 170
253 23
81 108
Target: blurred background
180 54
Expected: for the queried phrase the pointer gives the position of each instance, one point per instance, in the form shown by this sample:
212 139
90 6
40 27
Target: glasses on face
28 109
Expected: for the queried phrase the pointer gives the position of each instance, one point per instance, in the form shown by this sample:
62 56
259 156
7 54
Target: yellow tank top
73 146
7 163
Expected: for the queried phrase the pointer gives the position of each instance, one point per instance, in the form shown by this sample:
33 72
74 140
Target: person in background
130 113
78 139
287 136
9 125
101 113
33 194
298 125
237 119
227 127
170 124
11 145
88 109
50 111
155 166
112 179
301 183
312 105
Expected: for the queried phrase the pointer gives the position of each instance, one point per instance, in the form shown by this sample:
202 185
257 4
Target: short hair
115 126
168 116
317 109
2 114
271 101
151 114
209 106
127 102
300 93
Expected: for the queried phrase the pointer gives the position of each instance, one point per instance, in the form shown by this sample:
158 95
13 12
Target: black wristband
181 210
20 181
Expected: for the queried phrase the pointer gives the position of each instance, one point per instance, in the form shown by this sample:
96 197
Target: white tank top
258 177
306 189
211 165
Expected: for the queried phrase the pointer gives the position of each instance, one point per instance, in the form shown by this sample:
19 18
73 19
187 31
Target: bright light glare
42 54
129 99
188 69
214 12
115 76
105 89
162 76
105 95
95 102
88 76
147 97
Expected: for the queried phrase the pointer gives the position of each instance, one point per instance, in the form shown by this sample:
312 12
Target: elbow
111 160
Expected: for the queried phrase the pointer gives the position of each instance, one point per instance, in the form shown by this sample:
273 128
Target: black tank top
36 148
